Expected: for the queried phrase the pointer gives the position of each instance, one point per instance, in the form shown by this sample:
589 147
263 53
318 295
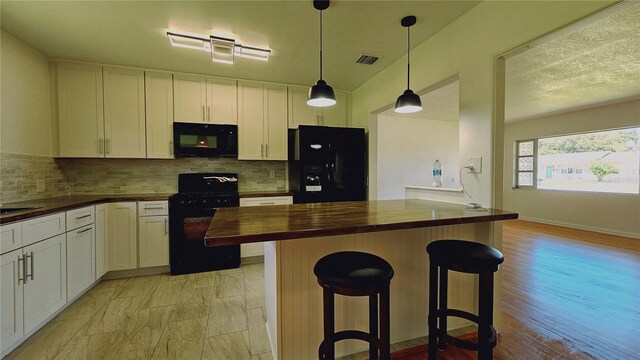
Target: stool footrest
354 334
460 314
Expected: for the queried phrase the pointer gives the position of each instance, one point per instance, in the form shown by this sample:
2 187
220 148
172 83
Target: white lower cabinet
81 260
257 249
123 232
45 288
153 239
102 234
11 299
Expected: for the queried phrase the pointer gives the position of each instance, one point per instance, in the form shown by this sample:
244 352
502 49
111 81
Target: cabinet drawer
80 217
10 237
153 208
41 228
263 201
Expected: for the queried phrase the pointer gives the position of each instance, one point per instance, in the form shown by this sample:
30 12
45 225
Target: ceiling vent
366 59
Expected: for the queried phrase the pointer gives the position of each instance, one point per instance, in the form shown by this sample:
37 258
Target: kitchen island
296 236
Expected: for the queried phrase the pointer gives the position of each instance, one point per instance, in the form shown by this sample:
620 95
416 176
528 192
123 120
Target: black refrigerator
327 164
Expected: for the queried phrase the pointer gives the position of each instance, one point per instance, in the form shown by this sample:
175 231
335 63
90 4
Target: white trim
433 188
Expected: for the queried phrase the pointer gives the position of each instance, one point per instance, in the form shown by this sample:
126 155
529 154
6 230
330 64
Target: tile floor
216 315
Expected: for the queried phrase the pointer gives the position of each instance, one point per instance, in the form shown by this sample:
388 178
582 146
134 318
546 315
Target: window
604 161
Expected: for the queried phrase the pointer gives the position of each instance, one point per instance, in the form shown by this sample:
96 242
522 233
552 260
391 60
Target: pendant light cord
320 44
408 53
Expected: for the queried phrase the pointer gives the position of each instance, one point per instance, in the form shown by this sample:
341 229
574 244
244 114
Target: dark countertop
64 203
253 194
281 222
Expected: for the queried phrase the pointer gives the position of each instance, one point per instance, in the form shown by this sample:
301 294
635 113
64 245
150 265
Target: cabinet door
159 110
189 98
81 260
154 241
45 290
250 121
336 115
80 107
275 122
299 112
102 253
222 101
124 120
11 298
122 241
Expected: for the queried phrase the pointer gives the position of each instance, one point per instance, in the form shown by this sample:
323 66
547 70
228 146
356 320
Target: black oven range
190 212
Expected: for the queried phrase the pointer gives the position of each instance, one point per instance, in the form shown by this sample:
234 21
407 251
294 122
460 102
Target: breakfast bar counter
396 230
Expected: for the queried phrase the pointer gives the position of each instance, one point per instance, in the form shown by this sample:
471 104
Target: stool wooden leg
433 308
327 347
442 323
373 326
385 326
485 315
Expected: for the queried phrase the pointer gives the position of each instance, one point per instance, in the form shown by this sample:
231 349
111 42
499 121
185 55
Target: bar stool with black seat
353 273
467 257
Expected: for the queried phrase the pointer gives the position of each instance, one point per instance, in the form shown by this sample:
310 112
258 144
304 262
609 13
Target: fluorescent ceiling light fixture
189 42
223 50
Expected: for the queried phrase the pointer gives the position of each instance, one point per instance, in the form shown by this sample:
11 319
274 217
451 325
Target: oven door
205 140
187 252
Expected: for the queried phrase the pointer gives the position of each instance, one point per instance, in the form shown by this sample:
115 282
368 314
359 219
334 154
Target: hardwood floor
567 294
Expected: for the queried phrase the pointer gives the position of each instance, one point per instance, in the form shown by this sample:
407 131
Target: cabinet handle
261 150
208 114
84 231
108 146
26 259
266 150
83 217
154 207
268 203
100 146
170 147
204 119
166 230
24 270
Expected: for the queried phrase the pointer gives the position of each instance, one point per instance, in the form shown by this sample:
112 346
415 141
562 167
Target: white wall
611 213
468 47
25 121
406 151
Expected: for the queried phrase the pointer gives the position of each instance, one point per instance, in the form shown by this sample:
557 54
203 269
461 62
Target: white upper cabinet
80 107
159 110
201 99
124 114
302 114
262 121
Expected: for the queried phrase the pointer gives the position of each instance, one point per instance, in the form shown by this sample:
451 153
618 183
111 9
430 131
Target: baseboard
581 227
118 274
252 260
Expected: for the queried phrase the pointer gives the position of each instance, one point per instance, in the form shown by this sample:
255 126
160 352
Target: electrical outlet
39 185
476 164
272 174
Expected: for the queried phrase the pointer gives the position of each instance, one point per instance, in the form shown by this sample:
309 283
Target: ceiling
133 33
594 62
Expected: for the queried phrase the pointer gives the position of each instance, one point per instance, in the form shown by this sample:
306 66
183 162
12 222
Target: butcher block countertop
62 203
281 222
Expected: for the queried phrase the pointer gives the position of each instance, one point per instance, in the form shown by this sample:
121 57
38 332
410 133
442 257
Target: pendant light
408 102
321 94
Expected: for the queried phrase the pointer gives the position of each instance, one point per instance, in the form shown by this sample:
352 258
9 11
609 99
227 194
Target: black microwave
205 140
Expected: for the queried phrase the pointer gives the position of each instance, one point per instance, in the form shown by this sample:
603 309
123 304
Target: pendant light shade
321 94
408 102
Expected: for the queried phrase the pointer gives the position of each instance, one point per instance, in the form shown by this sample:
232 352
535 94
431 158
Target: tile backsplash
20 174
